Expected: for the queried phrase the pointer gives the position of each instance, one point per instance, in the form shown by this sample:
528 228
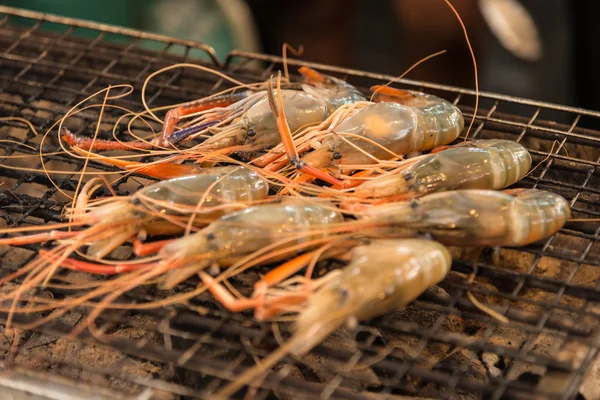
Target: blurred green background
222 24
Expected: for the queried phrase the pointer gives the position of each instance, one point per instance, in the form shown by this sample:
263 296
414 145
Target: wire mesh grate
440 346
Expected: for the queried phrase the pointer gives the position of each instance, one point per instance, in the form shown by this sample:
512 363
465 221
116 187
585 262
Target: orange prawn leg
193 107
515 191
311 76
269 162
438 149
263 311
354 183
288 141
319 174
282 272
157 170
88 143
300 180
275 276
225 297
276 166
276 306
143 249
349 184
38 238
305 178
397 198
163 171
390 94
268 159
92 268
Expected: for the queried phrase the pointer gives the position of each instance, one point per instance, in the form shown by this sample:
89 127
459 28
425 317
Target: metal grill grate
440 346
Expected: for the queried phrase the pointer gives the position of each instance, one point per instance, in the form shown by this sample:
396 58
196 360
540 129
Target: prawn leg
312 77
143 249
439 148
263 310
389 94
257 301
349 184
515 191
287 140
88 143
282 272
169 137
276 161
38 238
156 170
93 268
225 297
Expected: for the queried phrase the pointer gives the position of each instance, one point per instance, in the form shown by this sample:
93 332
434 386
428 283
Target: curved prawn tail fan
514 27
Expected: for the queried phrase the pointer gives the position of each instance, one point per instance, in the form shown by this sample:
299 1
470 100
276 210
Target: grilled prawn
160 208
478 217
242 122
381 277
234 236
482 164
379 131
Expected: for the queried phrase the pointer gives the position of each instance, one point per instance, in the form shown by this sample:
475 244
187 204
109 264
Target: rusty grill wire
440 346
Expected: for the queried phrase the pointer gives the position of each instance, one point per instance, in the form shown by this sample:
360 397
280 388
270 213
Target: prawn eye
251 132
408 176
337 155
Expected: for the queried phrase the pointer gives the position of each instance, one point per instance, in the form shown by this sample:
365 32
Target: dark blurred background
384 36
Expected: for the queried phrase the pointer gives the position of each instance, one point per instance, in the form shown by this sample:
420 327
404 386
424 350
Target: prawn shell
381 277
486 164
301 109
257 227
336 94
479 217
493 164
243 232
221 186
389 130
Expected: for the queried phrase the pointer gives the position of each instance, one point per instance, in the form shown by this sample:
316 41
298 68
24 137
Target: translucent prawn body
382 276
479 217
257 129
208 195
192 193
335 92
485 164
254 228
221 186
382 131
